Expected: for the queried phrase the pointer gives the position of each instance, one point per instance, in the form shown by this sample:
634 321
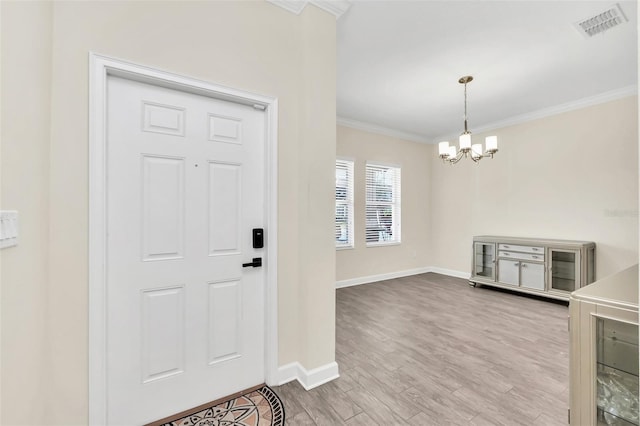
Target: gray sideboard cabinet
549 268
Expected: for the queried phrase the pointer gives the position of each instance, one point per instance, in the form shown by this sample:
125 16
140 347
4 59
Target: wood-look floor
431 350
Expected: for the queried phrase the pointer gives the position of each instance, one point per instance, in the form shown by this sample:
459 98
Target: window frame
348 201
395 204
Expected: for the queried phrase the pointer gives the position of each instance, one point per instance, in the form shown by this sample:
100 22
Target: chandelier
467 150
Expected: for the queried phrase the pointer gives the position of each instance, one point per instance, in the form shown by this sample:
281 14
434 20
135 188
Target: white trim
294 6
99 67
601 98
334 7
375 163
309 379
451 273
399 274
382 277
382 244
379 130
288 373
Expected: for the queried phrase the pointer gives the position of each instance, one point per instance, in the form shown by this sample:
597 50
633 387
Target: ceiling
399 63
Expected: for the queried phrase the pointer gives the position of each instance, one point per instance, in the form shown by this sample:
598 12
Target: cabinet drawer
524 249
522 256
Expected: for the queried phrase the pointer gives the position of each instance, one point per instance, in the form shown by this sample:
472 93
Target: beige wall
251 45
415 162
569 176
24 166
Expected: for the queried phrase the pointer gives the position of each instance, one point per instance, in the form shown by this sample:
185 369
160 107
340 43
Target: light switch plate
8 228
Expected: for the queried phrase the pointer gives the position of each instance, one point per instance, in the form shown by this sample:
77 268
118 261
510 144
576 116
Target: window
344 203
382 204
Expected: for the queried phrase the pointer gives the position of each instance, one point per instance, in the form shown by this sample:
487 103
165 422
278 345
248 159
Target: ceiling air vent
601 22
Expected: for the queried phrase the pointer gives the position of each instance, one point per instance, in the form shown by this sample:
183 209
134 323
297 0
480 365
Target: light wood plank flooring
431 350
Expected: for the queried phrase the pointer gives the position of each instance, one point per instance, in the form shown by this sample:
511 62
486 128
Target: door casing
99 68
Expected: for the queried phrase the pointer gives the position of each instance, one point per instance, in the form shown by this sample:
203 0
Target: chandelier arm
457 158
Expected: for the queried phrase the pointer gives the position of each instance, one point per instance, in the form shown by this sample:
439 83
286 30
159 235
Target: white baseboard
400 274
309 379
382 277
451 273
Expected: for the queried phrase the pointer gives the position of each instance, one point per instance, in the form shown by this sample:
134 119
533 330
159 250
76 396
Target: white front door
185 188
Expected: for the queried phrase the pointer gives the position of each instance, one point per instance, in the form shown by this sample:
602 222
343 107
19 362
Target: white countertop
619 289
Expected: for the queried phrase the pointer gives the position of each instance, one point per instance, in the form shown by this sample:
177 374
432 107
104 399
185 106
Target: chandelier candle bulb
465 141
476 150
452 152
443 148
492 143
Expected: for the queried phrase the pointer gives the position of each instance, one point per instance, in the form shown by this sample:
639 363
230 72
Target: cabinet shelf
617 393
563 284
608 419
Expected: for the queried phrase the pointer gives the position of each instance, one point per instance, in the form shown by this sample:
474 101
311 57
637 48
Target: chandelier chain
465 107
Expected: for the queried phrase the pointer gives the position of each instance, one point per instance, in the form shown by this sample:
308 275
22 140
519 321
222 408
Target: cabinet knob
535 257
524 265
516 264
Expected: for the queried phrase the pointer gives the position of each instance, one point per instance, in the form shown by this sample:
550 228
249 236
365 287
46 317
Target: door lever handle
257 262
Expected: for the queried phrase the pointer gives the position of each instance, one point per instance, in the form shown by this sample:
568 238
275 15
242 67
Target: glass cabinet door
617 372
484 260
565 272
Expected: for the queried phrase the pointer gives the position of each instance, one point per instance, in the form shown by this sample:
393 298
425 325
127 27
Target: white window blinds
382 204
344 203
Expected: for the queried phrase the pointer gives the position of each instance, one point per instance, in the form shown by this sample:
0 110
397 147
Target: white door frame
99 68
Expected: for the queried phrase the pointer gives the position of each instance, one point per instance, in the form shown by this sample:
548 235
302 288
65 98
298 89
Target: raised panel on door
163 204
225 321
163 333
532 275
508 272
224 208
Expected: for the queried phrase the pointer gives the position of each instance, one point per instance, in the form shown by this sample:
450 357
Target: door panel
225 187
532 275
163 206
565 272
163 333
185 321
508 272
484 260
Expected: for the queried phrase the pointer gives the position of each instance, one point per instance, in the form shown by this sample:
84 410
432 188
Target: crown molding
372 128
335 7
601 98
